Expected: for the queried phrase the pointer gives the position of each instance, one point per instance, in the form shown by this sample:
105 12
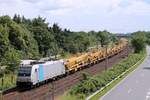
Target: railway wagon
95 56
33 74
72 64
115 49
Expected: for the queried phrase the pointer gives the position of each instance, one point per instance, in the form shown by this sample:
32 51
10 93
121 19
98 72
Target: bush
139 41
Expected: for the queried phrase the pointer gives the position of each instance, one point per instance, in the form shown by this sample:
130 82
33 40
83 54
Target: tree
44 39
26 22
54 51
103 37
138 41
19 37
114 39
55 28
4 41
40 22
57 33
148 37
93 38
17 18
12 59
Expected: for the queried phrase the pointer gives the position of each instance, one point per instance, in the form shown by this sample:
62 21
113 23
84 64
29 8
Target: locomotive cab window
24 71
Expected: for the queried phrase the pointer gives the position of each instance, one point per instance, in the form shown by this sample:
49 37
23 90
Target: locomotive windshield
24 71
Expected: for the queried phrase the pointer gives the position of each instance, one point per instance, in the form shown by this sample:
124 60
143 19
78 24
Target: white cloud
114 15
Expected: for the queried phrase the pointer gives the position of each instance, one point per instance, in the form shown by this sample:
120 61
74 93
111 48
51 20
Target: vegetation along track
56 88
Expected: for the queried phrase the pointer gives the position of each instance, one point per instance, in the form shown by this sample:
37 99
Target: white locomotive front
24 75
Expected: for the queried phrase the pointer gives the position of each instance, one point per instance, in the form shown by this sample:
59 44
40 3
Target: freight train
36 72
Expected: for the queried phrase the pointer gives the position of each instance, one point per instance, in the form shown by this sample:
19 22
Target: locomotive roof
22 65
46 62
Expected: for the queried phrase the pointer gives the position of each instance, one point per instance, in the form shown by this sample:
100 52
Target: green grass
114 83
67 96
9 80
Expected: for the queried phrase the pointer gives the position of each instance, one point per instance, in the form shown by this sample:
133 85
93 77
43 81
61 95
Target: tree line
23 38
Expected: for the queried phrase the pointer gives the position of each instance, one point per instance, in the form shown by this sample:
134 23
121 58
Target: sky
118 16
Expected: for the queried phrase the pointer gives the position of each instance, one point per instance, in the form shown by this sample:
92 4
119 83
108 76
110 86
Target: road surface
136 86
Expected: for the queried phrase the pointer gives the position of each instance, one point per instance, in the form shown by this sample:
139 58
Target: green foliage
103 37
44 39
113 38
22 38
4 41
19 37
92 83
92 37
12 59
139 41
148 37
17 18
9 80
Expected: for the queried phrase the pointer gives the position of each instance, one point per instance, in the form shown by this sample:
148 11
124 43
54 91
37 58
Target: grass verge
115 82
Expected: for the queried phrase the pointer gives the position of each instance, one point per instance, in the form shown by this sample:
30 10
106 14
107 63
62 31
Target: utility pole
1 95
127 49
52 90
106 58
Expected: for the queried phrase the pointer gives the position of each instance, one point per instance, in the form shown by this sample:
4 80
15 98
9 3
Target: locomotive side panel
53 69
35 74
48 70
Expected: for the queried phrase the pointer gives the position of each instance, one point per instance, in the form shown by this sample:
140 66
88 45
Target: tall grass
7 81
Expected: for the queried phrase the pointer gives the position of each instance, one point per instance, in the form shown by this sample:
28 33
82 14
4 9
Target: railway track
52 90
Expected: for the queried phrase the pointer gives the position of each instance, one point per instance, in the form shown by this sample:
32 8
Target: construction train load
33 72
